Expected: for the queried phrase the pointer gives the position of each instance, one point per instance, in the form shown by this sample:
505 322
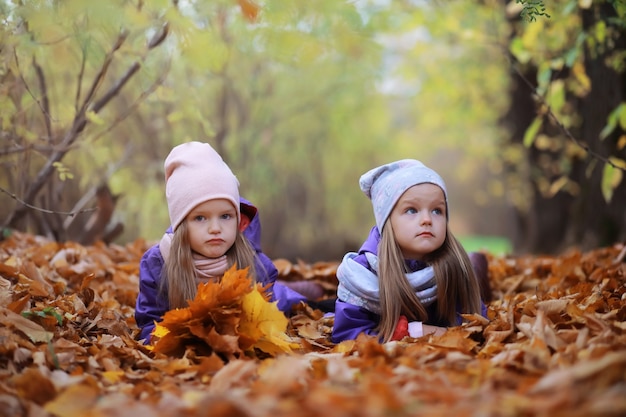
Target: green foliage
558 49
616 118
531 133
63 171
531 9
494 245
296 101
45 312
611 178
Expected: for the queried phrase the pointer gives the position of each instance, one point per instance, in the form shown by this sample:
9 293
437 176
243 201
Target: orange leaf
249 9
211 320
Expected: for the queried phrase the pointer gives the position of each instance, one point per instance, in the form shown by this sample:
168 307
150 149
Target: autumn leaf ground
554 344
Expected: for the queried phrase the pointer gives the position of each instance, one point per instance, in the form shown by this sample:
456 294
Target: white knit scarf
360 286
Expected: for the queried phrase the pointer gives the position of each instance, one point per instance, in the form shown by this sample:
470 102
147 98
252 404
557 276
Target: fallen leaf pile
319 273
554 344
226 320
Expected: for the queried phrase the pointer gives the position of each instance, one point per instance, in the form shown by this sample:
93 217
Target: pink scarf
207 269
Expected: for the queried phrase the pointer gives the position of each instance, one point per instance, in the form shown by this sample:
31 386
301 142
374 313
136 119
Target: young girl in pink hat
411 276
211 229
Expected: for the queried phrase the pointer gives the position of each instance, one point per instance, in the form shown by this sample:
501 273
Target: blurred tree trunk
551 223
596 223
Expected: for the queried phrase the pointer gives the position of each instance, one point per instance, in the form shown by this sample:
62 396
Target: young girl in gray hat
411 276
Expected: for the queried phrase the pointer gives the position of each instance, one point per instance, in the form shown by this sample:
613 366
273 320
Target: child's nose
213 225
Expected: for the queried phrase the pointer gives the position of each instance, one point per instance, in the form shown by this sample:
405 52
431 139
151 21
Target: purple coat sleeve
350 321
267 274
266 271
286 297
150 305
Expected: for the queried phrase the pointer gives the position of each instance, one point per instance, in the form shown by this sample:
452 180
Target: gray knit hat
385 185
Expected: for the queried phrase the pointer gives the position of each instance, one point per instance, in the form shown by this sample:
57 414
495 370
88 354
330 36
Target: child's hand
402 329
434 330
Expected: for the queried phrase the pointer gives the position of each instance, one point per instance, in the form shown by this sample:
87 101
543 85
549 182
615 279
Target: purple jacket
351 320
151 306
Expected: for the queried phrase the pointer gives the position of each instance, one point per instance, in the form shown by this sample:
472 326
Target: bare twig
92 192
620 257
99 78
44 107
45 103
79 81
143 96
113 91
66 213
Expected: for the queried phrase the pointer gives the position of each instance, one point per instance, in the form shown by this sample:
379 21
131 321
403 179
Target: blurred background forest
520 106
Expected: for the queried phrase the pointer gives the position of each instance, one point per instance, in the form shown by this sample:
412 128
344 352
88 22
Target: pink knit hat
195 173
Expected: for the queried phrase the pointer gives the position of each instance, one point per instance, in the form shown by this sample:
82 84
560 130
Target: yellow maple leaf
159 331
263 325
228 316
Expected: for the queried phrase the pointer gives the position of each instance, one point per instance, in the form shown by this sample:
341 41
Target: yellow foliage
264 324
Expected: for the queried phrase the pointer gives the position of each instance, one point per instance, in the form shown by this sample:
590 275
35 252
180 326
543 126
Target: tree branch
80 121
24 203
97 82
156 40
79 82
45 106
134 105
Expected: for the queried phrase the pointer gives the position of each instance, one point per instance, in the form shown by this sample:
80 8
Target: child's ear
244 222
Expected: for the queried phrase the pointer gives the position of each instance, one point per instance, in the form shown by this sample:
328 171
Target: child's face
419 220
212 227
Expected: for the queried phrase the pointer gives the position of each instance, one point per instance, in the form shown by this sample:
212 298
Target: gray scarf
359 286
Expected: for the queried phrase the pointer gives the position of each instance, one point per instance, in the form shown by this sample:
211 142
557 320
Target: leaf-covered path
554 345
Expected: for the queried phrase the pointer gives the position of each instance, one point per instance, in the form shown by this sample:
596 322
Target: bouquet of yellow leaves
231 318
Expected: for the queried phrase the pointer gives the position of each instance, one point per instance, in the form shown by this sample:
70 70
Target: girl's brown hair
457 286
179 279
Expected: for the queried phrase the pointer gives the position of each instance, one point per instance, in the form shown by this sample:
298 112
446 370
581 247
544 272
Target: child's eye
411 210
199 218
227 216
438 211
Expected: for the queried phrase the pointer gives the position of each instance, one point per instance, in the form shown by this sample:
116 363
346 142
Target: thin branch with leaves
560 125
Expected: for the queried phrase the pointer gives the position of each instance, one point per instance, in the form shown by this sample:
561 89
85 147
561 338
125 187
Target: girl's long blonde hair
179 279
457 286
